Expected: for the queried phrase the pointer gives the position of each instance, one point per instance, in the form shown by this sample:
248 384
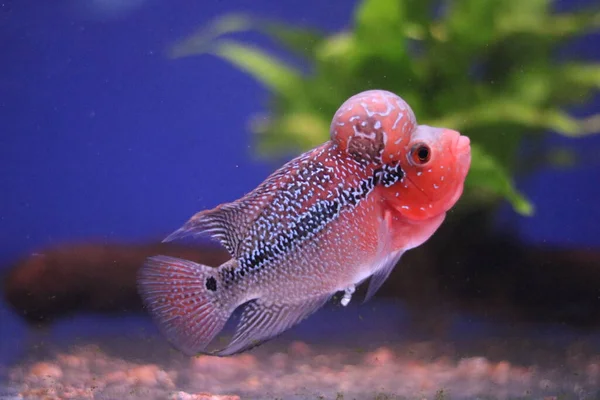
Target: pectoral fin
381 274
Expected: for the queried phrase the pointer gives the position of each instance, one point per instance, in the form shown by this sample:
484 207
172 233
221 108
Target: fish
322 224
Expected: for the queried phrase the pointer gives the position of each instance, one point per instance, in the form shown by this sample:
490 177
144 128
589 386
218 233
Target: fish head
378 129
435 163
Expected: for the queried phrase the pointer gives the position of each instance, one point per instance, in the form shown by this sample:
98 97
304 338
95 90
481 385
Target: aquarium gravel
415 370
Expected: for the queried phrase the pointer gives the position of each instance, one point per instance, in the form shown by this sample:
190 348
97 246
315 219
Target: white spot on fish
400 115
419 173
406 207
377 124
370 136
382 114
348 295
435 186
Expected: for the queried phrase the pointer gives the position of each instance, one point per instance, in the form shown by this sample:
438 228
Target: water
106 140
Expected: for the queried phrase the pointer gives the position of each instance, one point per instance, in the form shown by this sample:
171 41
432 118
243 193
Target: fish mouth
461 148
461 145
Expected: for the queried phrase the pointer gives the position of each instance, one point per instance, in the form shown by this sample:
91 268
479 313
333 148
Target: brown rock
479 270
88 277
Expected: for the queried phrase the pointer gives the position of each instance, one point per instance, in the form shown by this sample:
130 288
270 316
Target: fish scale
310 209
323 223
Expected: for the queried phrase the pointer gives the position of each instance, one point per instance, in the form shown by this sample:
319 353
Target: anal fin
381 274
262 321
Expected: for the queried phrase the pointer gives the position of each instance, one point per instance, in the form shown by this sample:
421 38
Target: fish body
323 223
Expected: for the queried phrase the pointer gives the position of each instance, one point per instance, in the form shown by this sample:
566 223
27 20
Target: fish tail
185 300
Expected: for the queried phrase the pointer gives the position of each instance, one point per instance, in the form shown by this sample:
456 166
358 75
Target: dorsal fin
230 222
294 203
225 223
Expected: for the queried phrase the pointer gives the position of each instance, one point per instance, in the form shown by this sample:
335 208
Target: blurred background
120 119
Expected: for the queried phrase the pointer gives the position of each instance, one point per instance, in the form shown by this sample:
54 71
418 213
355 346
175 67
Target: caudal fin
183 299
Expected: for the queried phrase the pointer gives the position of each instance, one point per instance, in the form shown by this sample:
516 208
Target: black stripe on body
306 225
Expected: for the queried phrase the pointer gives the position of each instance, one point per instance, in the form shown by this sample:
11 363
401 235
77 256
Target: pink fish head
380 128
436 164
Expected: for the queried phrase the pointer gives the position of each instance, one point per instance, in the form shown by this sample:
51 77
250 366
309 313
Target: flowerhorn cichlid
323 223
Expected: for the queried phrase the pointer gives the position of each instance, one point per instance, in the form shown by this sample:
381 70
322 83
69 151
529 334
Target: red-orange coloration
324 222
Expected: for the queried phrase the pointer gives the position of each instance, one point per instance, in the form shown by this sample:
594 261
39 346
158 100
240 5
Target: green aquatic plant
484 67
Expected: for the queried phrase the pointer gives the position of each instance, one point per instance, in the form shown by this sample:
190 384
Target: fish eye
420 154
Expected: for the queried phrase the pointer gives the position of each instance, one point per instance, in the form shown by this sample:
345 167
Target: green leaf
559 26
335 47
266 69
380 15
509 111
297 131
297 39
488 174
200 41
379 28
471 22
582 74
302 41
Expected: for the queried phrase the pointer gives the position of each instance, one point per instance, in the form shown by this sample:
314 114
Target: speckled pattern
323 223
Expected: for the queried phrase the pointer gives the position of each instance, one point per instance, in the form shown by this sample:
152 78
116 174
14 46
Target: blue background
102 137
